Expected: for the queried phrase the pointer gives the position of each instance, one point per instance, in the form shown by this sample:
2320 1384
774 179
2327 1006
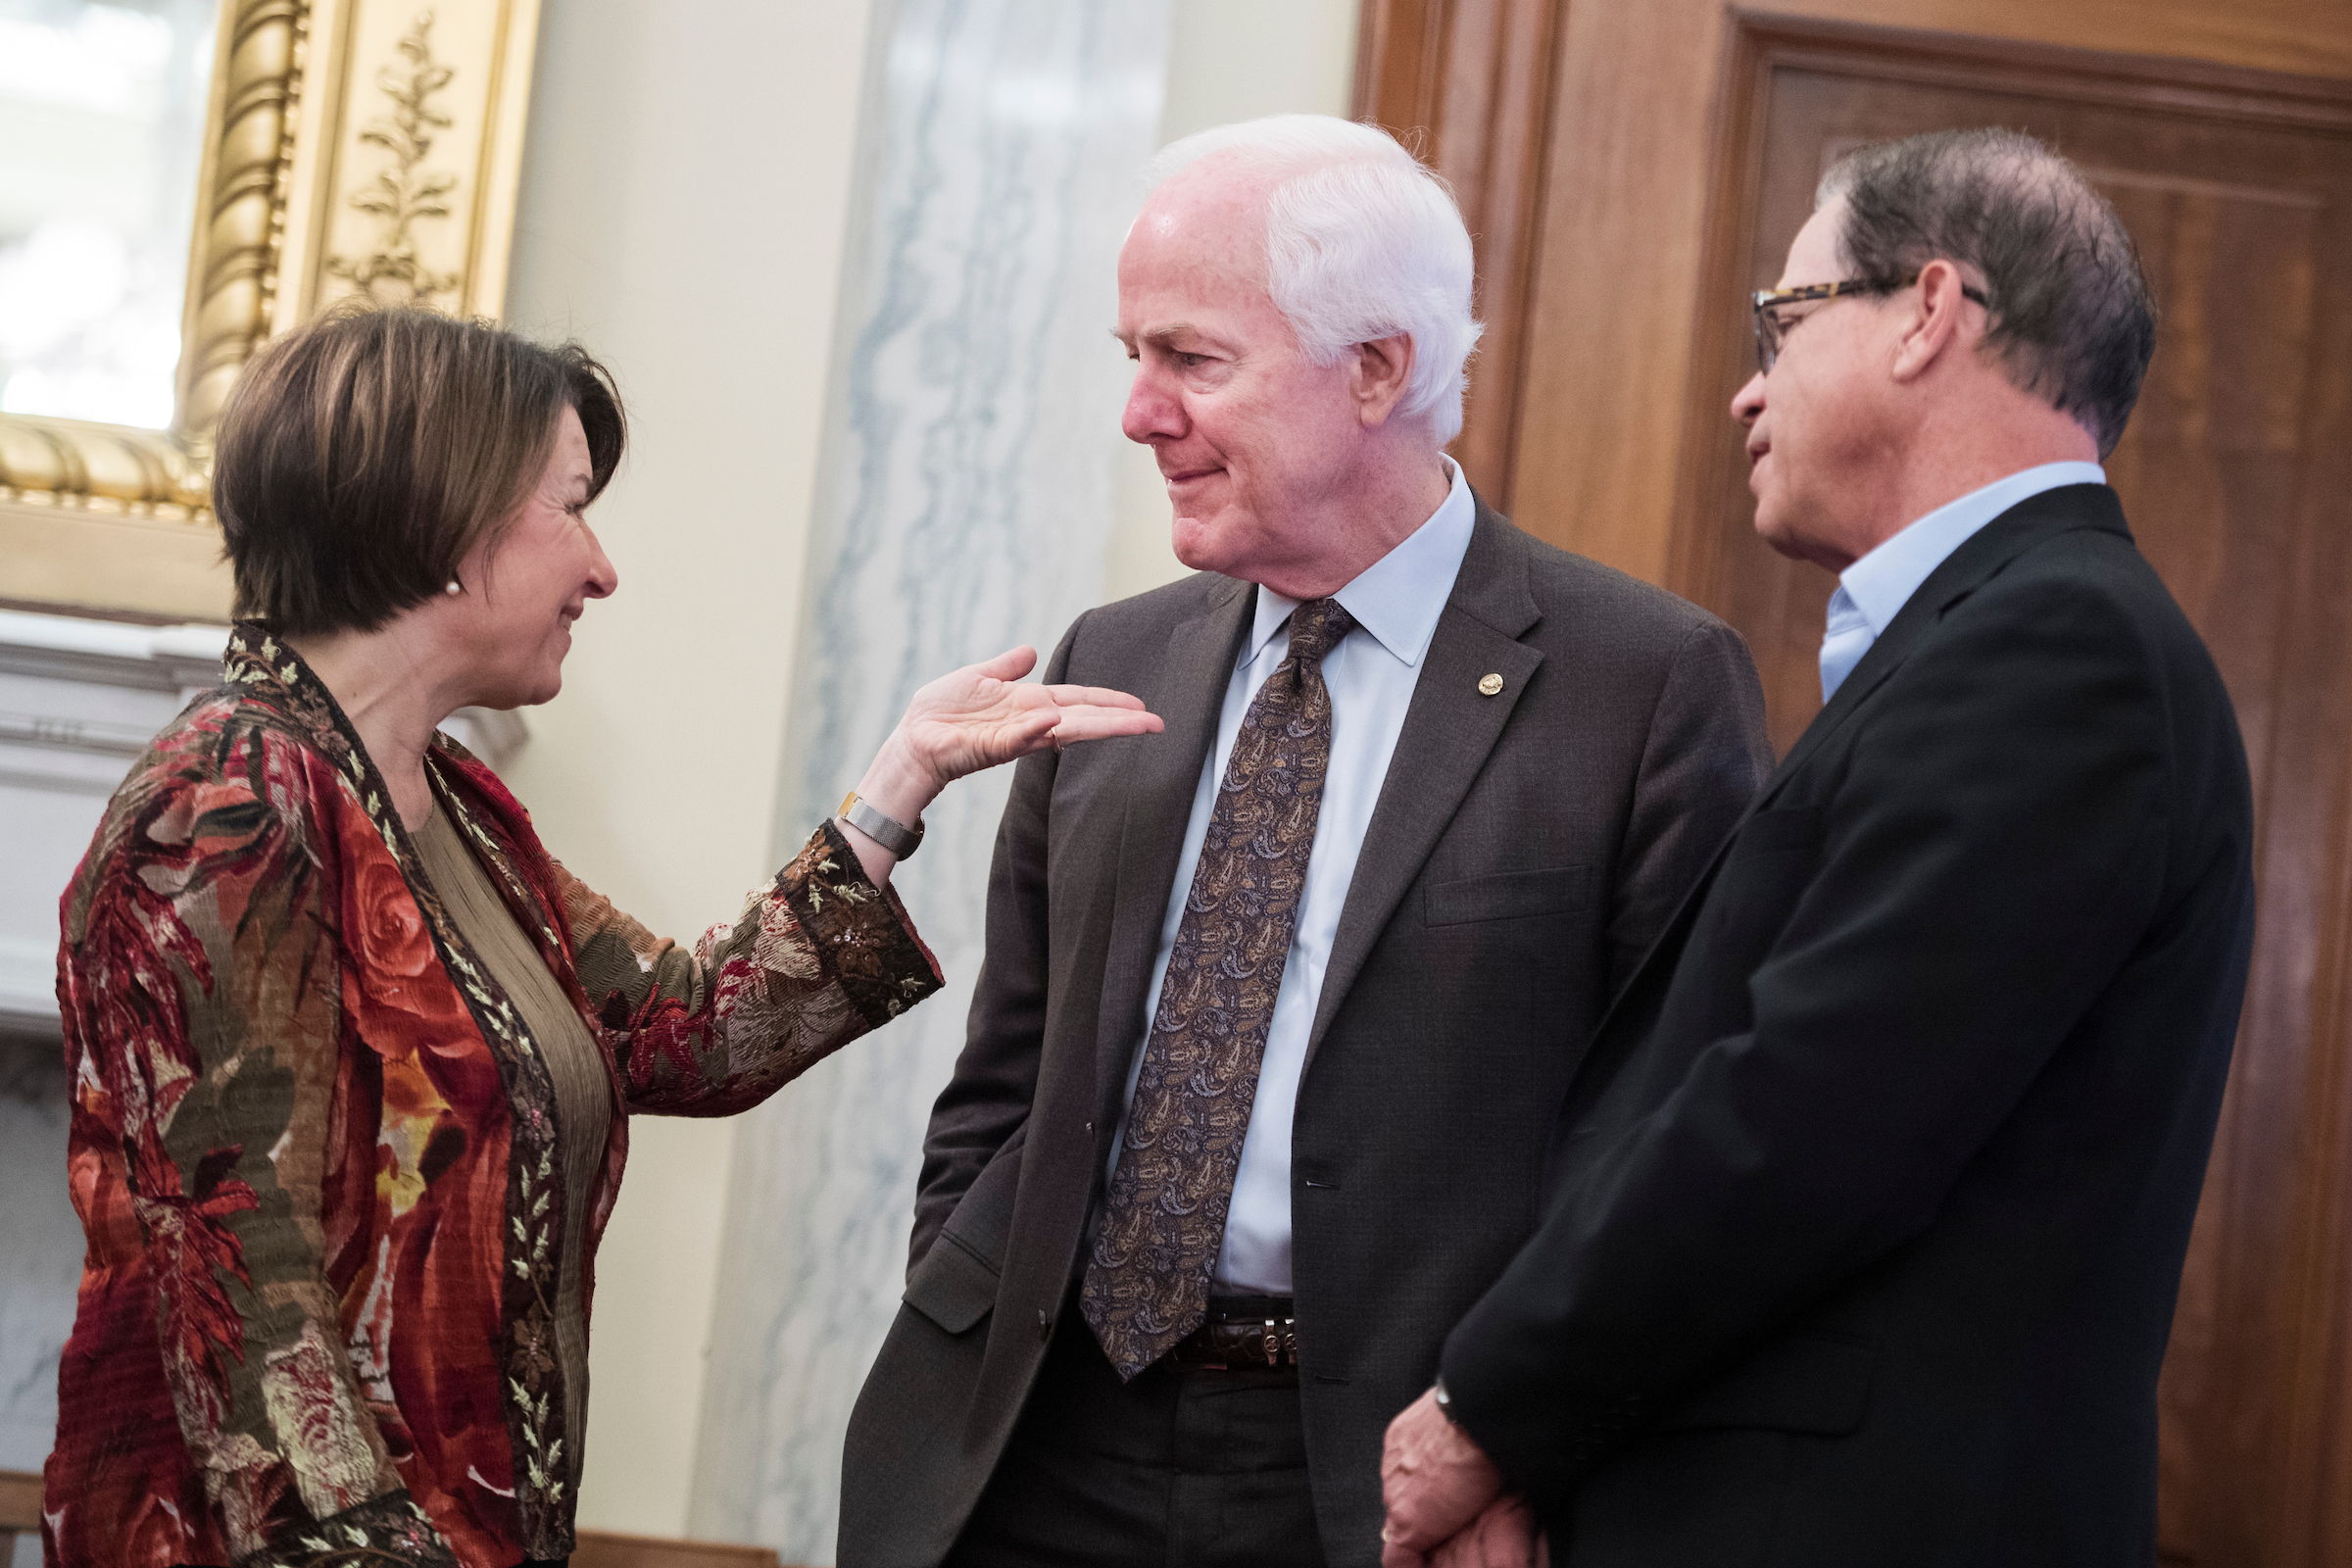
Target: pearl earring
453 587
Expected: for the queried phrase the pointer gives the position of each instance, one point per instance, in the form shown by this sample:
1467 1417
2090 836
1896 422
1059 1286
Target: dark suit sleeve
1984 867
985 1106
1703 759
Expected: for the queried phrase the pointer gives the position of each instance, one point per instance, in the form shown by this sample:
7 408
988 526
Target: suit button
1045 1325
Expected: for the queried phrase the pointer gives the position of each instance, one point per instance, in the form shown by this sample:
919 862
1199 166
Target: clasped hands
1445 1500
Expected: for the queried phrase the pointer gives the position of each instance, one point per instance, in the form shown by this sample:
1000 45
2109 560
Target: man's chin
1773 528
1199 544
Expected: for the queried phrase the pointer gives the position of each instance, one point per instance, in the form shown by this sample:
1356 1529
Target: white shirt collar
1882 582
1399 598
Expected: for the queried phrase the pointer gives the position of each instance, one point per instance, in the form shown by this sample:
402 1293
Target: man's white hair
1362 242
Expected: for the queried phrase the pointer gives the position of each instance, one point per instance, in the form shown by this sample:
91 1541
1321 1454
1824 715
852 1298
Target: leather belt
1242 1332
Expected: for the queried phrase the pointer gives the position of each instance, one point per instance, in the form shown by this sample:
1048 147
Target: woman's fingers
1094 723
1010 665
1090 697
982 715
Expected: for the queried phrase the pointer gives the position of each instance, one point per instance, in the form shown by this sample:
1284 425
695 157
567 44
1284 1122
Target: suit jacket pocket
1553 890
982 1219
953 1286
1791 827
1817 1383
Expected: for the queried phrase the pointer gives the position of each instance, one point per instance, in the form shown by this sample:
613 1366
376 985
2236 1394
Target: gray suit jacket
1525 850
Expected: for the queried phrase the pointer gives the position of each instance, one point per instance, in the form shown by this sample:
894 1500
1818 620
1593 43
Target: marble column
974 429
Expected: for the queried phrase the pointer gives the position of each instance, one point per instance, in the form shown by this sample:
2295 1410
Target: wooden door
2237 472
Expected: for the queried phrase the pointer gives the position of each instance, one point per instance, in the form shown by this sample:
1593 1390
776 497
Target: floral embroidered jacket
315 1149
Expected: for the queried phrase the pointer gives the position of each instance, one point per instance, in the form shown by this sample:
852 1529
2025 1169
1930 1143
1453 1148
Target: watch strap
888 831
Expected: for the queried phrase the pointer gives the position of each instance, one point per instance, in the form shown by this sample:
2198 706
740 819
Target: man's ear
1381 371
1939 320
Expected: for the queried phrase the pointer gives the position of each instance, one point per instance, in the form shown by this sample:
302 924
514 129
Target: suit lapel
1190 696
1980 558
1448 729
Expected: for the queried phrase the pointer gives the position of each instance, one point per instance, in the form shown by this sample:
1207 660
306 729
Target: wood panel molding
1759 43
600 1548
20 1500
1699 554
1468 85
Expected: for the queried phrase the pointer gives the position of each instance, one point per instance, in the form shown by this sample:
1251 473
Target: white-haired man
1277 1007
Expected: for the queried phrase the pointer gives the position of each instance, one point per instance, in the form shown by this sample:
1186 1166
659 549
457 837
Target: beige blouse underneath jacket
583 1094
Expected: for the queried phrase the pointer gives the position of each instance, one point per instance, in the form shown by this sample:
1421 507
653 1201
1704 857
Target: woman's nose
602 578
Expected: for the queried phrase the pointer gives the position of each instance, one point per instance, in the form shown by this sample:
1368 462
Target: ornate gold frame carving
290 218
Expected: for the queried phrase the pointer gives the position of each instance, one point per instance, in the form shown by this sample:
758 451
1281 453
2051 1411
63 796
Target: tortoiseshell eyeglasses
1772 331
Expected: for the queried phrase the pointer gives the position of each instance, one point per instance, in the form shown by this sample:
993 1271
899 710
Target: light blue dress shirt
1872 590
1396 602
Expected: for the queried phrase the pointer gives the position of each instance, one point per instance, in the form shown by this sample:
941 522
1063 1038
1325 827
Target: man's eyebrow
1160 334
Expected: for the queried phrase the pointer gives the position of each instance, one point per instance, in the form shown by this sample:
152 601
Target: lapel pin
1490 685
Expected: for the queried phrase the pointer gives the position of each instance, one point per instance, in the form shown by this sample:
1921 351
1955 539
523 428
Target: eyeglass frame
1771 335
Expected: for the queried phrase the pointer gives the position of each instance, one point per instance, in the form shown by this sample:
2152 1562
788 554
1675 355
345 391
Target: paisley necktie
1146 1284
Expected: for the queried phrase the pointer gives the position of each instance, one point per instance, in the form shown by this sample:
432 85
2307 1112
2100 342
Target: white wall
1228 59
684 194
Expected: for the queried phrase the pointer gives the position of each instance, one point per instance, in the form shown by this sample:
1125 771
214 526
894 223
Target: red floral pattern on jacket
315 1147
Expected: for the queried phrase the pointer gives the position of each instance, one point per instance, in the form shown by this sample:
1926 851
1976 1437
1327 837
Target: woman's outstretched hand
979 716
976 717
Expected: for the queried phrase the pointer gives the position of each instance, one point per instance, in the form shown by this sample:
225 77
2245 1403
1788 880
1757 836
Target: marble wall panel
974 430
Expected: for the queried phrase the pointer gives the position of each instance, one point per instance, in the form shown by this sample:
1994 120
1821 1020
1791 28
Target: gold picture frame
351 146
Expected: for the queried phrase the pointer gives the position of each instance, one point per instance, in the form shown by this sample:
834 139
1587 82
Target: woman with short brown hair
353 1057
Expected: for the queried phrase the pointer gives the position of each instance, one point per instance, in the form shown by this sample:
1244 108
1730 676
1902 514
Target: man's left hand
1435 1482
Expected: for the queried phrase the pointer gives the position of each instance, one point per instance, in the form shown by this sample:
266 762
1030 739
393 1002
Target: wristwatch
1444 1401
888 831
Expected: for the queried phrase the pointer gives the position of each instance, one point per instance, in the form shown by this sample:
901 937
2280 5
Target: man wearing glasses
1867 1204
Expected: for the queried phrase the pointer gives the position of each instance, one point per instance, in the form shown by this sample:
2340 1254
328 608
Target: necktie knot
1316 628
